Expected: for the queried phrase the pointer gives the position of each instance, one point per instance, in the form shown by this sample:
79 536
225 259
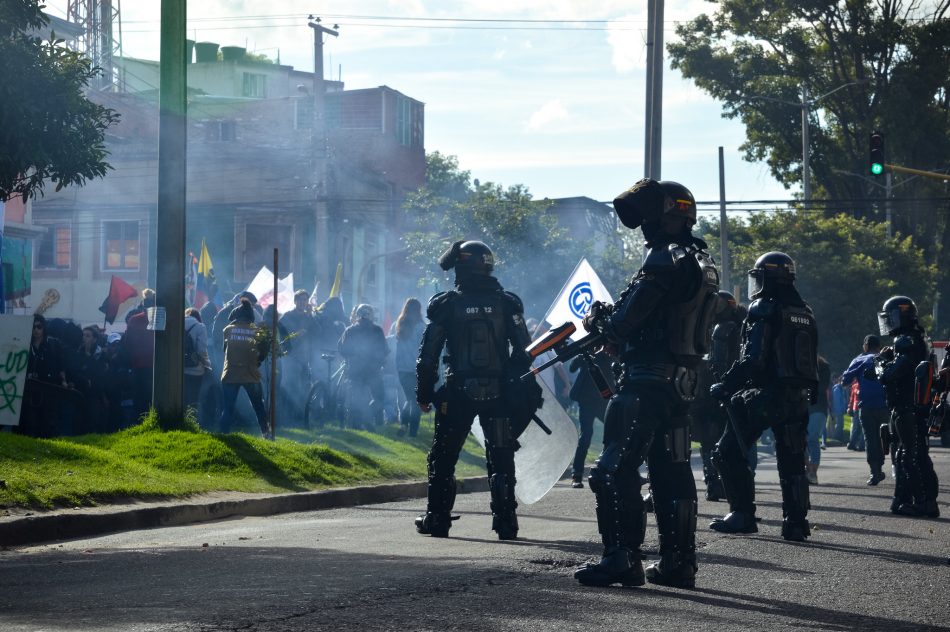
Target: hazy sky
556 106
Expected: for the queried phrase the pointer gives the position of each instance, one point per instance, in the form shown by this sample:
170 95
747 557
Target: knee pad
601 479
620 431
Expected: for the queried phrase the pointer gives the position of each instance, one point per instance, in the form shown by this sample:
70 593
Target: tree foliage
49 129
533 256
756 56
847 268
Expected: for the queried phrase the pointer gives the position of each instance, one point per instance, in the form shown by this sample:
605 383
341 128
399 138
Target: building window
54 249
222 130
120 245
255 85
403 121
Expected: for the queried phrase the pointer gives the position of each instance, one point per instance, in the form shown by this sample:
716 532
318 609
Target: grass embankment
144 462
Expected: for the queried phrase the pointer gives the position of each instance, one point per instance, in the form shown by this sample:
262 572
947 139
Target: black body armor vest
796 346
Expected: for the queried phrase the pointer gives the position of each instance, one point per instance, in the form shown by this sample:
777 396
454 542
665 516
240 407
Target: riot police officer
709 416
475 324
771 385
915 492
658 327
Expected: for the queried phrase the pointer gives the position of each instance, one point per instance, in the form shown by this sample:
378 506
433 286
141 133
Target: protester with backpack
196 359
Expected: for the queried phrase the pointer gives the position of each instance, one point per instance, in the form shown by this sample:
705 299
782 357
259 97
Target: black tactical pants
454 414
709 422
916 479
646 421
785 411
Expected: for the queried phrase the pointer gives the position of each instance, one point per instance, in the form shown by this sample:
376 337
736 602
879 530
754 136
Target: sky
556 105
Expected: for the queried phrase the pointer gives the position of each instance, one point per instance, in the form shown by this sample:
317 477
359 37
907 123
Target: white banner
263 288
15 333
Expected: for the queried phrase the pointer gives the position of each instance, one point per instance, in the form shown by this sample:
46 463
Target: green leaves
49 129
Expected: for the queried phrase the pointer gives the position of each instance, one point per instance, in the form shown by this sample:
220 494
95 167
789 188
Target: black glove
596 318
719 392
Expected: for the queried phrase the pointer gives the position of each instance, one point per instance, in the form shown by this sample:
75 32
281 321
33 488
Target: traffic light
876 146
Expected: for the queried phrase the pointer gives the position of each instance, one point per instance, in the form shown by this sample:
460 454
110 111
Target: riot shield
542 458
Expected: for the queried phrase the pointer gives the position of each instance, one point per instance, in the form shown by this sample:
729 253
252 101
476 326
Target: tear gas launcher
558 341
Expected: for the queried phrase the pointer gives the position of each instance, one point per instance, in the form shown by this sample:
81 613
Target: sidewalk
63 524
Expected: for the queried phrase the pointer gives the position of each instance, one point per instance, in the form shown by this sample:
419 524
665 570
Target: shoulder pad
660 258
439 303
903 344
512 300
762 308
677 252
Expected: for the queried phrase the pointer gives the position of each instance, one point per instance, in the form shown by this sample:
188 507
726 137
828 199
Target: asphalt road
365 568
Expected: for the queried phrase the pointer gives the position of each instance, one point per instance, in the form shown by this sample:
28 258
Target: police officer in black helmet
772 384
476 324
659 328
903 373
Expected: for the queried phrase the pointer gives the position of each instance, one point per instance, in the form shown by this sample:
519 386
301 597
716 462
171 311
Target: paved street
364 568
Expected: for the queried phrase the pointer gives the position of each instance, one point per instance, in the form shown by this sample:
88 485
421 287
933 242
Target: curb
68 526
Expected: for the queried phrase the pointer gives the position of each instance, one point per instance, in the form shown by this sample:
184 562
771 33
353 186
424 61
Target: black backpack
192 359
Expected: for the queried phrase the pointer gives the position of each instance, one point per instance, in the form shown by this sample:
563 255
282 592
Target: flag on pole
573 302
119 292
335 288
206 287
314 301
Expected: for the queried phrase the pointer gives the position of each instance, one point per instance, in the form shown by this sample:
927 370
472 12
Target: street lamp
805 104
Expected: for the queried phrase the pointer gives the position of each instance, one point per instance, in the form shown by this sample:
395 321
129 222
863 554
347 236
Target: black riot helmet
771 270
898 312
648 200
727 306
468 257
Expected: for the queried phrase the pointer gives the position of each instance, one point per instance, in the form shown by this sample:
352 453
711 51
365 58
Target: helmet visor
756 282
889 321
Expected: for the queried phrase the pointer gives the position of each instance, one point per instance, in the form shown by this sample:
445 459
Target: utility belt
477 389
684 380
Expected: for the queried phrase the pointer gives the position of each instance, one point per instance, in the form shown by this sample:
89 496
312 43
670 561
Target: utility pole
654 90
806 153
725 281
319 141
648 98
167 396
887 203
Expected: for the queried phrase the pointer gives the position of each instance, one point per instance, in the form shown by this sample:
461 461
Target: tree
756 56
753 55
847 268
533 256
49 129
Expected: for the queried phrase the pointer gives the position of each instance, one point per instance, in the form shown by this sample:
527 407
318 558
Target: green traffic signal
876 153
877 168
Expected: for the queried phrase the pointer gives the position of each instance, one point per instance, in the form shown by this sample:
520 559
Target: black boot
735 522
577 481
795 505
503 505
619 565
677 564
876 477
931 509
436 525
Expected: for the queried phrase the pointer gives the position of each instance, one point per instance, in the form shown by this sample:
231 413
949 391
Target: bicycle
324 401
